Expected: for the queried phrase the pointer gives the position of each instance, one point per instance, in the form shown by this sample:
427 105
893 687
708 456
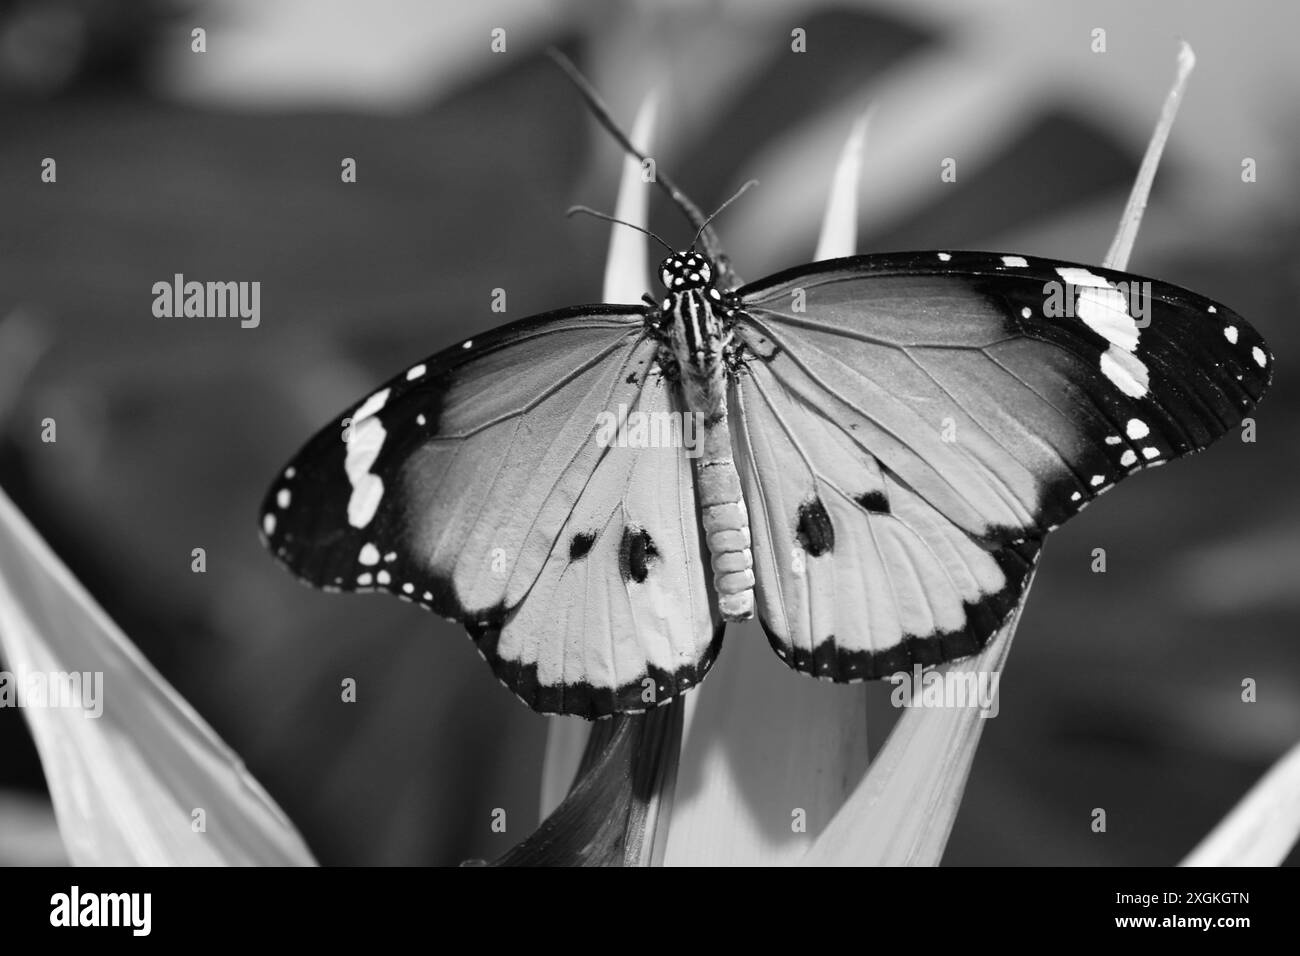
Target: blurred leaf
839 235
125 784
297 54
29 835
904 809
624 789
1121 246
626 276
1262 829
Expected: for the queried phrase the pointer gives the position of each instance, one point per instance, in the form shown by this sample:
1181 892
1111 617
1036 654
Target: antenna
739 192
572 210
601 112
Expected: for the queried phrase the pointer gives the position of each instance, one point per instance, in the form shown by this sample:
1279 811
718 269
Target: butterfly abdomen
726 523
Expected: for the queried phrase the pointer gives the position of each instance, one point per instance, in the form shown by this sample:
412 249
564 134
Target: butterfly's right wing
482 485
909 426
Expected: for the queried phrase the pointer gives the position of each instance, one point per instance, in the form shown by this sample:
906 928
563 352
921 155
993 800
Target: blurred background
1124 689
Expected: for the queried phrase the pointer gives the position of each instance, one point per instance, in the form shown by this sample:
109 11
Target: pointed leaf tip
626 276
1262 829
1121 248
839 232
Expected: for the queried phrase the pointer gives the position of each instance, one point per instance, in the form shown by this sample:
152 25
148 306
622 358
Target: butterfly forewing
950 373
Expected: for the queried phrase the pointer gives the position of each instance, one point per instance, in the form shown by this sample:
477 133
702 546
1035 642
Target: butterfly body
701 355
696 324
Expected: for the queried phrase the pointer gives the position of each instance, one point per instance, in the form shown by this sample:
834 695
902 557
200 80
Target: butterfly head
686 270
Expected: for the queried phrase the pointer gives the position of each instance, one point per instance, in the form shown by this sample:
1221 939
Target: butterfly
864 453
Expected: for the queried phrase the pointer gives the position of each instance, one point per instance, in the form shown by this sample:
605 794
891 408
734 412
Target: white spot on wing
371 405
1026 312
1148 452
1106 313
364 579
1113 439
1126 372
1128 458
367 489
417 372
1230 333
1260 358
282 497
408 587
268 523
383 577
1076 496
944 257
469 344
1015 262
1212 310
369 554
1082 277
1136 428
290 472
1097 480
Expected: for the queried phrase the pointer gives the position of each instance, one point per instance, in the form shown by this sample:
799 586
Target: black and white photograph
776 394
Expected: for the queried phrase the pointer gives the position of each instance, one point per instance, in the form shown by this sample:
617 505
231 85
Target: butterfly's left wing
909 426
487 483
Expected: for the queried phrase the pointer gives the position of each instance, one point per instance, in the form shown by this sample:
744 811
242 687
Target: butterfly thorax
696 323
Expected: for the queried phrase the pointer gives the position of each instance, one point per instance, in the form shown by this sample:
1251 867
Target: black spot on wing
581 544
636 553
874 501
813 528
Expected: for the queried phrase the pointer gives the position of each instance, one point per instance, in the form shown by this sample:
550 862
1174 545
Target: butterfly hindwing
857 576
923 419
622 616
469 483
